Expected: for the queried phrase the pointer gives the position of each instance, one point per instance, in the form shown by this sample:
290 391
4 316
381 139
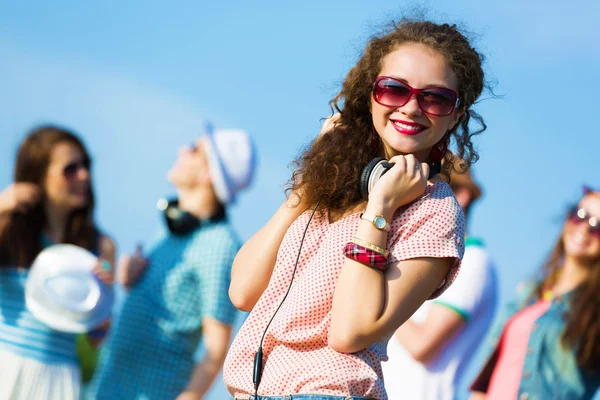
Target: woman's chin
581 252
396 149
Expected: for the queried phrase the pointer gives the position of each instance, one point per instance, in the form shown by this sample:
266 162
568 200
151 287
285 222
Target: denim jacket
550 370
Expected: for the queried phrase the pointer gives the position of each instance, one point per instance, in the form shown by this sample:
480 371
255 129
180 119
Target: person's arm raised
254 263
19 197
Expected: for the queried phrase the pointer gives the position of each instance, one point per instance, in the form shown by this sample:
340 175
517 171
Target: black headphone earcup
178 221
365 176
434 169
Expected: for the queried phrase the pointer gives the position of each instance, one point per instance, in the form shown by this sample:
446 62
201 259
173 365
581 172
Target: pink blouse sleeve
431 226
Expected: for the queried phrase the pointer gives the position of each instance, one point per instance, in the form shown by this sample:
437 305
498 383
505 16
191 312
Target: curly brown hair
582 320
330 168
21 232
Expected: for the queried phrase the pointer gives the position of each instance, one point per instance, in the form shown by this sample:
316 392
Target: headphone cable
258 361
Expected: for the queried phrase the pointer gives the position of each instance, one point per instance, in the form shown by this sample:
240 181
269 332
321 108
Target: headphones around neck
181 222
377 167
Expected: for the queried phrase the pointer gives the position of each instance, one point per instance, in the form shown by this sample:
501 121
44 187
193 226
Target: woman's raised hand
400 185
19 197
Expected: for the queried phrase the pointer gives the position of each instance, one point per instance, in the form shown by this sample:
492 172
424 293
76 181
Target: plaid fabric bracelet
365 256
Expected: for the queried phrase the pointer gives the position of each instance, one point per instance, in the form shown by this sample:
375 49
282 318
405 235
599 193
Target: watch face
380 222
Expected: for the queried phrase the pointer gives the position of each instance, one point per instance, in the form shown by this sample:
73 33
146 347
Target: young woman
546 342
50 201
364 266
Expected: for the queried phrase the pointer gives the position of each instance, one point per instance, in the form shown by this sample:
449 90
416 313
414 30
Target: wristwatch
377 220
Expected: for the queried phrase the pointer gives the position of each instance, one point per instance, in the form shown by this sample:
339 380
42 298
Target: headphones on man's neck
181 222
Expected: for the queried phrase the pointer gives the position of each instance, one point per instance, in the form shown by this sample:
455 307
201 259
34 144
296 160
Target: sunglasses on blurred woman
70 170
579 215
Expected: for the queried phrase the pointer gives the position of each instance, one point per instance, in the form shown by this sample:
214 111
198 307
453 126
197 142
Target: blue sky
138 79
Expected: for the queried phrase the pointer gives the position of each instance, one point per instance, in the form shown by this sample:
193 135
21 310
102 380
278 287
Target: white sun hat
231 161
63 293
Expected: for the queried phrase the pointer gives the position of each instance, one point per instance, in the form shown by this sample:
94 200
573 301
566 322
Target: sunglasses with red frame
579 215
434 101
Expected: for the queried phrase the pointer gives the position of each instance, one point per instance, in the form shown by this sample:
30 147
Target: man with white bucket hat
182 294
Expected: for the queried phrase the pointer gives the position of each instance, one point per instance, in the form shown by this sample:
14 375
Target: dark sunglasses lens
438 101
577 215
71 170
391 93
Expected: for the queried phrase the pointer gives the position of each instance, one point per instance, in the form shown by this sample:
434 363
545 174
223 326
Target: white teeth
408 127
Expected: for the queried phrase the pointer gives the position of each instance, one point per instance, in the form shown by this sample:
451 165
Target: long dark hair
21 232
582 329
330 169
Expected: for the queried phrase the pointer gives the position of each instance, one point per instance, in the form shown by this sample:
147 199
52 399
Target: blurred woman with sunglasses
51 201
546 342
365 265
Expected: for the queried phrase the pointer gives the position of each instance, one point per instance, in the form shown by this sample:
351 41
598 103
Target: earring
375 139
439 150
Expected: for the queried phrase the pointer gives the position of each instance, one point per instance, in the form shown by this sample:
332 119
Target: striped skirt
24 378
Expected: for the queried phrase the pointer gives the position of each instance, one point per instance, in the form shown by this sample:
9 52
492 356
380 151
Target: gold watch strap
370 246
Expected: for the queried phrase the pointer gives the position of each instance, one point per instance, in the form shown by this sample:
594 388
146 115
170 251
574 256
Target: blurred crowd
188 286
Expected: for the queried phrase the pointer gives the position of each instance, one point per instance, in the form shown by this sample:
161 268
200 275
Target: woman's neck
56 223
571 275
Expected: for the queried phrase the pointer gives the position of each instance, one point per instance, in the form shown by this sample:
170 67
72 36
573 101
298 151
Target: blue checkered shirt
149 353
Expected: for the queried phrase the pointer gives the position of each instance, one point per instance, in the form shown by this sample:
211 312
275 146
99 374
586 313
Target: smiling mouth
408 128
579 239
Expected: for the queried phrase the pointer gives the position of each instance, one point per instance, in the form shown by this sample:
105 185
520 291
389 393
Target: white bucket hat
231 161
63 293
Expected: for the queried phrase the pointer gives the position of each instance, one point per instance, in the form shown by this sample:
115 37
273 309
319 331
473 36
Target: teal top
149 353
